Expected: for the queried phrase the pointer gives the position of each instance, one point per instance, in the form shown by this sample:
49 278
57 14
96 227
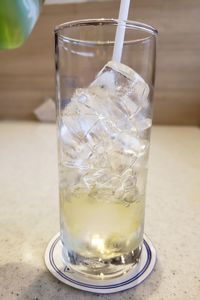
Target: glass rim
106 21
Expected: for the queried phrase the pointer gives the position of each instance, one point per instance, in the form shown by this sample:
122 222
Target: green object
17 19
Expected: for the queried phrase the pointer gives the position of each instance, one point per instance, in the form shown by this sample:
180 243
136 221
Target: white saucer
55 264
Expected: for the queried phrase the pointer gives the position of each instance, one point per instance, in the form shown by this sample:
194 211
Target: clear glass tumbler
104 117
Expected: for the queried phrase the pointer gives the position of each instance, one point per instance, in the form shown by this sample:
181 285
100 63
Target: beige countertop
29 215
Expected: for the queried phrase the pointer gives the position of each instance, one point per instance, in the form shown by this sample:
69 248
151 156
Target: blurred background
27 76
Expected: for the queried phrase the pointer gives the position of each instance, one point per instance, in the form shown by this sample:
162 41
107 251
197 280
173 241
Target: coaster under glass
136 275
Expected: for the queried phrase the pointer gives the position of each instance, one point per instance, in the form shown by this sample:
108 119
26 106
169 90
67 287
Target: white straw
120 33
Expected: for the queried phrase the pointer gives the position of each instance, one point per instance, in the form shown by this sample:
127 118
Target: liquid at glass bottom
101 238
102 269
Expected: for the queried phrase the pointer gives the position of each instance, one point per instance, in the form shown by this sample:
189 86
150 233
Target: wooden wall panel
27 74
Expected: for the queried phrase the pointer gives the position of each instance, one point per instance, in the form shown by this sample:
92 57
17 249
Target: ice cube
129 180
101 179
75 149
117 158
100 102
136 84
131 107
101 129
127 86
127 192
143 124
105 80
142 121
71 178
133 145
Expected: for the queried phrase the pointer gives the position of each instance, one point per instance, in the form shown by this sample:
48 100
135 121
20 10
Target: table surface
29 215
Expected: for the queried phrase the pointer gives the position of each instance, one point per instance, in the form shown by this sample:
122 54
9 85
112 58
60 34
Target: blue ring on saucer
52 262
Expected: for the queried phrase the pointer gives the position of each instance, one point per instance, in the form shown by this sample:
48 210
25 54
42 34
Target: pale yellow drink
98 226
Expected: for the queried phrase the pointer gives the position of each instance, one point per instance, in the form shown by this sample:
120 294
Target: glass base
102 269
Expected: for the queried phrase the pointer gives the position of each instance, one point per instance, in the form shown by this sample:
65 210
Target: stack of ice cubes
102 130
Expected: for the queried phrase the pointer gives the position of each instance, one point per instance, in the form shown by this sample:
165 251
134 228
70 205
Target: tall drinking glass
104 117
